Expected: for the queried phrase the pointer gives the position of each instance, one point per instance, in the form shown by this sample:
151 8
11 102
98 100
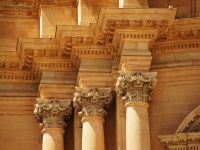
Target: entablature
106 39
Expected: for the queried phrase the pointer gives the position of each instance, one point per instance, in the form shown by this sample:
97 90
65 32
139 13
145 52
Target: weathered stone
52 113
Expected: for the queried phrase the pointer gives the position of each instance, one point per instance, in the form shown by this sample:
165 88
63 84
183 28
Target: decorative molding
9 65
112 24
108 34
191 123
25 76
187 135
121 35
68 41
136 86
92 102
29 55
52 113
160 47
181 141
183 34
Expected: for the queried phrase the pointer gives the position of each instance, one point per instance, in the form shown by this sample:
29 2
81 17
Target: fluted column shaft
52 116
135 90
91 104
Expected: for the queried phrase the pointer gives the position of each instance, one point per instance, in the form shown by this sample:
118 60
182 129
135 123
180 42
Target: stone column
135 89
92 105
52 115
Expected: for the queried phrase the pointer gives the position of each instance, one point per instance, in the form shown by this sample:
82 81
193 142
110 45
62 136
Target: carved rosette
52 113
136 87
92 102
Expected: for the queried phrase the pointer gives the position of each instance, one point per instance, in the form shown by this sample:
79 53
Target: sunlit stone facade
99 75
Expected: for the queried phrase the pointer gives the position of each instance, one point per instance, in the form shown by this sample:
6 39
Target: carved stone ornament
181 141
52 113
187 136
136 86
92 102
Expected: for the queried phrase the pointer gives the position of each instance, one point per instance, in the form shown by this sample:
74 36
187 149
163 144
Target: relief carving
28 59
90 40
183 34
92 102
67 43
100 40
136 87
52 113
180 141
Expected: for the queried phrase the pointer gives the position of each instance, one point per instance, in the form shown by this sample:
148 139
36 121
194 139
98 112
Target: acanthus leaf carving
136 87
52 113
92 102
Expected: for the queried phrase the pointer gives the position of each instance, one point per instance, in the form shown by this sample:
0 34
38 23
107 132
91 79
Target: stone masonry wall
175 96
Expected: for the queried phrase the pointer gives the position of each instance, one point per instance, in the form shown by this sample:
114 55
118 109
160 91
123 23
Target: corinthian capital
52 113
92 102
136 86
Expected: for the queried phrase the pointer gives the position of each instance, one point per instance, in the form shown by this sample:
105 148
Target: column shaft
53 139
137 126
93 133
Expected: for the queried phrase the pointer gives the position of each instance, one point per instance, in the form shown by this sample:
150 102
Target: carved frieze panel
92 102
52 113
68 41
183 34
136 87
112 25
9 65
30 54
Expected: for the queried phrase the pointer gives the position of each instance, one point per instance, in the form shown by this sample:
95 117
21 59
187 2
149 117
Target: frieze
136 87
111 25
52 113
92 102
29 54
28 58
68 41
183 34
9 65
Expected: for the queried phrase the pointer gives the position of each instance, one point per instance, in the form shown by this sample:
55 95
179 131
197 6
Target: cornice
182 29
74 42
